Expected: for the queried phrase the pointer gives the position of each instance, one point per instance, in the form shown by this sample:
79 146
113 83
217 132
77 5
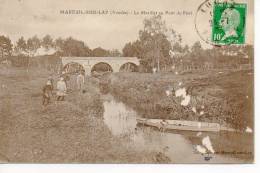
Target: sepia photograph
127 81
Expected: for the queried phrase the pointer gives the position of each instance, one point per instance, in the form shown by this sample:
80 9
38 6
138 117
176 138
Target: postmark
221 22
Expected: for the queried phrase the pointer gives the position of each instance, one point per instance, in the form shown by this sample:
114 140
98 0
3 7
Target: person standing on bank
66 78
61 89
51 83
47 92
80 80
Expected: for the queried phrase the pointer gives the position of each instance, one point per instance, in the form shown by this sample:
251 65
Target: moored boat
180 125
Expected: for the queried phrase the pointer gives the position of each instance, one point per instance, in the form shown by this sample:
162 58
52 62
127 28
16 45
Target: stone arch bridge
89 62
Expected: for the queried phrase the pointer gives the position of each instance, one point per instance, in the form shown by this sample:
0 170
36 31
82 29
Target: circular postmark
221 22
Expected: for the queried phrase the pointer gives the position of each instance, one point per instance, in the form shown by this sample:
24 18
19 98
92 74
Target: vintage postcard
127 81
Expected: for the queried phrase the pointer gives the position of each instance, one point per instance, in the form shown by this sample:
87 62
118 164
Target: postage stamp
229 23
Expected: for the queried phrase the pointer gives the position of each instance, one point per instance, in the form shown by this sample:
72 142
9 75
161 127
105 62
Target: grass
66 132
225 98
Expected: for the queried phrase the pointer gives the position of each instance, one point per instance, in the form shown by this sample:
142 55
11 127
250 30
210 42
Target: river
121 120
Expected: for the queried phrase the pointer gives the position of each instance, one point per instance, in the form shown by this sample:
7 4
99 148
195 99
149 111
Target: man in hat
61 89
80 80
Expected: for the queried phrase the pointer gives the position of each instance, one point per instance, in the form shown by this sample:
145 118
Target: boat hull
180 125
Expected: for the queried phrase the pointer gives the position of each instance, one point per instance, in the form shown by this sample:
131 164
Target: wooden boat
180 125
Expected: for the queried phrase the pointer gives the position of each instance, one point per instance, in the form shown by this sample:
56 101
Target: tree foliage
100 52
115 53
5 46
47 42
33 44
73 47
154 43
21 45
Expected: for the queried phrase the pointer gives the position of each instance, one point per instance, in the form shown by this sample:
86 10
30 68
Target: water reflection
121 120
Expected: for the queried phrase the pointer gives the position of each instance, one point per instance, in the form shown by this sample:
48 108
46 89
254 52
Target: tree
196 48
155 49
153 35
21 46
73 47
115 53
59 45
154 25
6 47
196 53
100 52
186 49
33 44
47 42
154 44
133 49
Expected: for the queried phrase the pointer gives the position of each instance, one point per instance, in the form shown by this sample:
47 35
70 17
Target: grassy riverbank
225 97
216 96
67 132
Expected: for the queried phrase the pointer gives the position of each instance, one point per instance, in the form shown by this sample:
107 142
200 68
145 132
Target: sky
112 31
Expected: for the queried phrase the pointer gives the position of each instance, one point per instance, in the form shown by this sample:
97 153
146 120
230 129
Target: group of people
62 87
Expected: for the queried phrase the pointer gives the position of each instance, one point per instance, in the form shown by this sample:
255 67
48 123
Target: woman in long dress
61 89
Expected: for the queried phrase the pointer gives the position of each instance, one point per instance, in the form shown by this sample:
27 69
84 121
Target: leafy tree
196 48
133 49
47 42
197 54
33 44
100 52
154 25
154 37
59 45
115 53
21 46
6 47
71 47
154 43
186 49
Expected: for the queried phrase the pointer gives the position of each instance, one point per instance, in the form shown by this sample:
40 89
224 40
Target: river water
121 120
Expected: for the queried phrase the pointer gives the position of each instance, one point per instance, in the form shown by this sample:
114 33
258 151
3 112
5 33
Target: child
47 91
61 89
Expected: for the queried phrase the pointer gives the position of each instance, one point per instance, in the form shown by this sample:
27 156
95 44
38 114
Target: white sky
40 17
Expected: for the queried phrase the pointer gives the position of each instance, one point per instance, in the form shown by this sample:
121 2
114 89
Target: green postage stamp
229 21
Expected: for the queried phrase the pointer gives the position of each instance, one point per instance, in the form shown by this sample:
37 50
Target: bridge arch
128 67
102 67
73 67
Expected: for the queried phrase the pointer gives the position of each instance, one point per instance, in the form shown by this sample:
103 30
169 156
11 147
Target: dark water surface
180 147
